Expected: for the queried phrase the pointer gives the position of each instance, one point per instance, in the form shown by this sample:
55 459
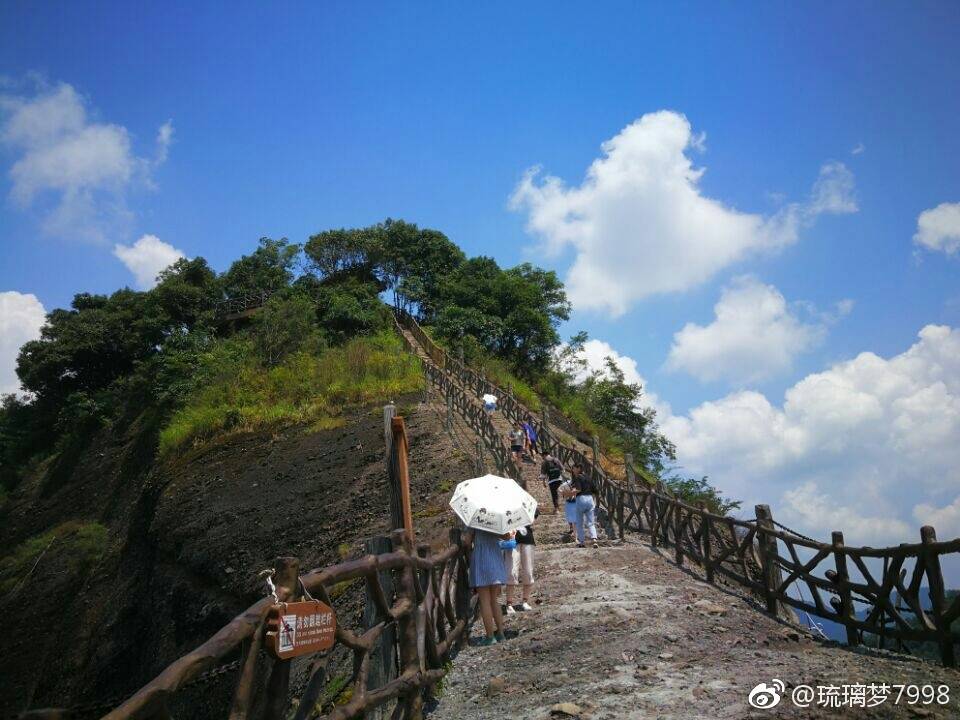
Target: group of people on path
506 562
578 492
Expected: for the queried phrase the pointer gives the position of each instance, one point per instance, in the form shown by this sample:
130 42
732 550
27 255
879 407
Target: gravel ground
621 632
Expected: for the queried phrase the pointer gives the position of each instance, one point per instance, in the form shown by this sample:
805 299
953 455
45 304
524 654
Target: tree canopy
104 351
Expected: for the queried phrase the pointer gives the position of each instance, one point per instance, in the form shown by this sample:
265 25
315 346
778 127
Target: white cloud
754 337
595 353
146 258
639 224
939 228
21 317
78 168
833 191
868 446
858 149
946 520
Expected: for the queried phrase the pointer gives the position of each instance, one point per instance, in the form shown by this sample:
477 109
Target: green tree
512 313
188 291
87 348
616 404
282 326
267 269
341 252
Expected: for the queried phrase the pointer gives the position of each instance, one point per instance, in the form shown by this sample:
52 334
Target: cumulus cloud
858 149
639 224
755 336
945 519
939 228
21 317
868 446
833 192
77 168
146 258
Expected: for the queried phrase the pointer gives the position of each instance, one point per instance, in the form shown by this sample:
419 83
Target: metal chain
794 532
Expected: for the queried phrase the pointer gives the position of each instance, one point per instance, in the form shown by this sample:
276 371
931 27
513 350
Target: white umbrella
493 503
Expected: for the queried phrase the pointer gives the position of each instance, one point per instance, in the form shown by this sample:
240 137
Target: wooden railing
242 303
429 612
776 564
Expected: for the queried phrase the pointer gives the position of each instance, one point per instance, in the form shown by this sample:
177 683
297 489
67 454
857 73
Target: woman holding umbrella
487 574
491 507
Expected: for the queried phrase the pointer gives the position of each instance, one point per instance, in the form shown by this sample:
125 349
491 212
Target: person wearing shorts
520 572
517 438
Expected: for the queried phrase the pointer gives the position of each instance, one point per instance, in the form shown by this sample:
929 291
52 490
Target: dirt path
620 632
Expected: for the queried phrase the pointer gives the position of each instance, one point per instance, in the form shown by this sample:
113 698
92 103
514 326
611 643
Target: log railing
242 303
866 590
430 611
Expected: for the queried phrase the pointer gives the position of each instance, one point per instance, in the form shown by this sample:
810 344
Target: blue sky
291 119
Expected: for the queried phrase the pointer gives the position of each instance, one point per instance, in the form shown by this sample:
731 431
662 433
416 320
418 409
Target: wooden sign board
300 628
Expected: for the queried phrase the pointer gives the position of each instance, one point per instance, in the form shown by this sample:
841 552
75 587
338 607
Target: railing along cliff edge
431 611
781 567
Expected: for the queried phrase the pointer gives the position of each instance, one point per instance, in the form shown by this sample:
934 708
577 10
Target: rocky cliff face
183 541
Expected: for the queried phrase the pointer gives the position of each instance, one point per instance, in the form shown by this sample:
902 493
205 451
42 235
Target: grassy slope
238 394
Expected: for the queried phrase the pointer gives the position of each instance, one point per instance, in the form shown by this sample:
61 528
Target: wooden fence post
383 667
595 447
631 475
678 532
545 431
481 467
654 508
462 593
768 557
931 559
621 499
412 701
449 422
393 480
399 477
705 523
287 580
843 587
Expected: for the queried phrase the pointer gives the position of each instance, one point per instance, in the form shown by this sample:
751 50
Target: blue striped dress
486 561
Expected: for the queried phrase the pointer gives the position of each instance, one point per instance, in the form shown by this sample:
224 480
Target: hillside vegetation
168 358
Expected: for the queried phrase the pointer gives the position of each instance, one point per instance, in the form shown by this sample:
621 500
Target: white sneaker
510 610
525 606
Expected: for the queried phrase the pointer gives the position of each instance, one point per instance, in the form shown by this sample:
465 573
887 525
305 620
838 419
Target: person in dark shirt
551 472
586 504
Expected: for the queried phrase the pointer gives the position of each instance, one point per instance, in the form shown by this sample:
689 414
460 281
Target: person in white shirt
569 494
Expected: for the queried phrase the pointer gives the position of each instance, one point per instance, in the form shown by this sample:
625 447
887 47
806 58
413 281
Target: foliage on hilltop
322 341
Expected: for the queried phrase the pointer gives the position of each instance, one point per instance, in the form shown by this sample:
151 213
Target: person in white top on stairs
519 568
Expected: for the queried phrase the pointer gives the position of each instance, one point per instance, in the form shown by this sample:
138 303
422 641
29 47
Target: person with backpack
586 491
551 472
